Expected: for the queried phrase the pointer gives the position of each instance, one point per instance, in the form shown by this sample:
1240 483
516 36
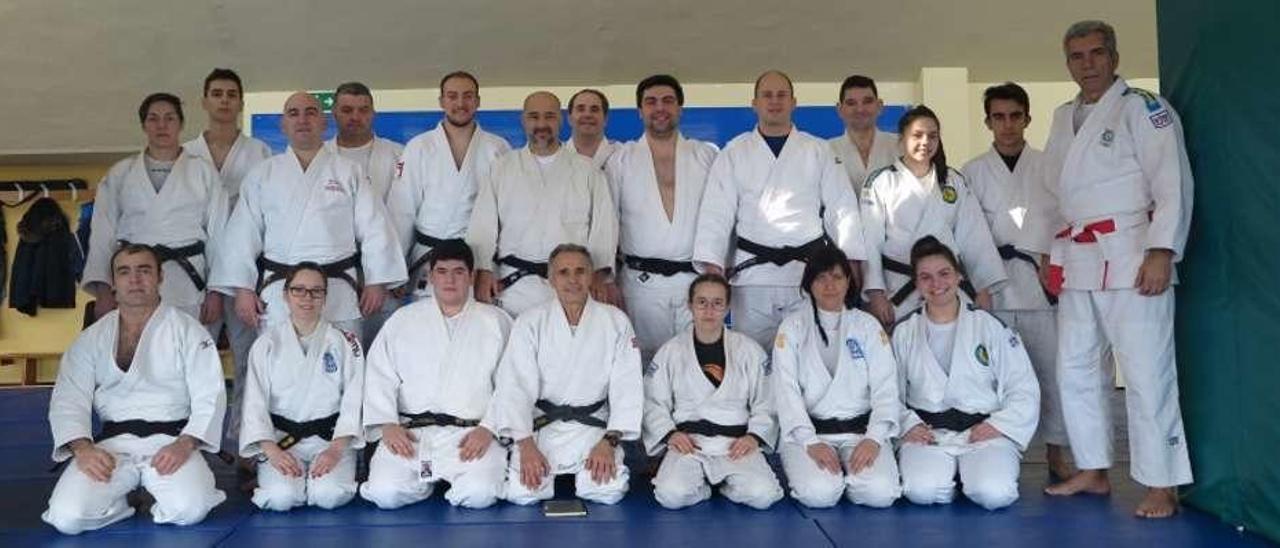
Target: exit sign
325 98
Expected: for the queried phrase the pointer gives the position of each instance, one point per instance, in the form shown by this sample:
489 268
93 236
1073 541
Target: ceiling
75 70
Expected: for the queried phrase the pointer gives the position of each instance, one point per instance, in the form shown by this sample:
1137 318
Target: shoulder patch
981 354
949 194
1161 119
1151 100
353 341
1014 341
855 349
206 344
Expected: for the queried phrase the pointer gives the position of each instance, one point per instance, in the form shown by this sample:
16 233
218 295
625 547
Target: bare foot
1160 502
1093 482
1059 468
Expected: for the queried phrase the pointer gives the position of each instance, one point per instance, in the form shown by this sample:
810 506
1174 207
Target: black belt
662 267
182 256
430 242
428 418
855 425
908 288
776 255
582 414
337 269
1008 252
140 428
523 268
708 428
951 419
298 431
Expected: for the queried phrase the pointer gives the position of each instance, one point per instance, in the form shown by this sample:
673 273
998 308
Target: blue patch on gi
330 363
855 349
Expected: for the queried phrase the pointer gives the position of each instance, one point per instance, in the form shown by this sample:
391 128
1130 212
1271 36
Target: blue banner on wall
713 124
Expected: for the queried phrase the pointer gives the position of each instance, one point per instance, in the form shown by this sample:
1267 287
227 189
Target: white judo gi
325 379
246 152
677 392
885 150
1116 188
547 359
190 209
898 209
657 303
424 362
175 375
525 209
990 374
325 214
790 200
604 152
432 197
380 159
1022 303
865 383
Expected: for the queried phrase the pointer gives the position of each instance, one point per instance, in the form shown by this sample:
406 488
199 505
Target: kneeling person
569 389
302 402
428 392
708 401
836 391
152 375
971 396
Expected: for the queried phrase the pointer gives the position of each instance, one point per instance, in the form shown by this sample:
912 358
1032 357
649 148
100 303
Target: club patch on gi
855 349
1013 340
330 363
354 342
1108 138
1161 119
981 354
949 194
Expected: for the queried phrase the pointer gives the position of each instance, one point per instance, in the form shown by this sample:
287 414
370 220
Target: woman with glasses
971 398
708 403
302 402
836 392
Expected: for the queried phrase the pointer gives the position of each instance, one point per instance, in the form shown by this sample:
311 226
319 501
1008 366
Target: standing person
1001 181
863 148
658 182
1110 222
918 196
782 193
588 116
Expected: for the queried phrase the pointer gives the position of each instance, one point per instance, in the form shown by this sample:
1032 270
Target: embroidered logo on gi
635 343
1174 441
1013 340
981 353
780 341
333 185
1108 138
206 344
644 276
330 364
1161 119
855 349
949 194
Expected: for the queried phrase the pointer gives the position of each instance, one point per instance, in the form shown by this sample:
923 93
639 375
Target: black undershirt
775 143
1011 161
711 359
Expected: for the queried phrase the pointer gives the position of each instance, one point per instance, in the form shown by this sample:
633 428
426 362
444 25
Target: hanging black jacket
43 264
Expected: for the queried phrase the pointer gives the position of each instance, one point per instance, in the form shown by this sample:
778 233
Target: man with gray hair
1109 220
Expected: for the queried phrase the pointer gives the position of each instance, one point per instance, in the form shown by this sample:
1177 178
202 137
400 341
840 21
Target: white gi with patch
885 150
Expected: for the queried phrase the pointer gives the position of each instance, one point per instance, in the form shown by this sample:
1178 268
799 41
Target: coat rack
26 190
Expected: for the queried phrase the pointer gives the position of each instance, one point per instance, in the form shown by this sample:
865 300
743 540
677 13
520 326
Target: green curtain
1220 67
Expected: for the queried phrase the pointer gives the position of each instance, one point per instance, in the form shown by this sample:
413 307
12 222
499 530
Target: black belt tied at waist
582 414
337 269
182 256
297 431
661 267
429 418
708 428
910 286
776 255
430 242
523 268
140 428
951 419
855 425
1008 253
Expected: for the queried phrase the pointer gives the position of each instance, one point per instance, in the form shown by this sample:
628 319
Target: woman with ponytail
918 196
836 392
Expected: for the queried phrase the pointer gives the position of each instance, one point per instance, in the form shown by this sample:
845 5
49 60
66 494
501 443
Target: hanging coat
44 262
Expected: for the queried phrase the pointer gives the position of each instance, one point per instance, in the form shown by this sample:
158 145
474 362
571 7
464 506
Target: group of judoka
495 318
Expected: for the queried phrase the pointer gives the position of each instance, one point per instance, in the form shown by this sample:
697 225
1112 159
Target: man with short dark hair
863 148
353 113
588 116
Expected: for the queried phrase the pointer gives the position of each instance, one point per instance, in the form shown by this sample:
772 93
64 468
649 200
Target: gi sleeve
841 216
626 384
602 239
760 404
381 383
1016 387
874 218
1162 154
717 214
102 231
349 410
380 250
205 384
903 340
255 414
659 401
793 414
973 236
482 233
71 404
883 377
406 194
235 265
518 384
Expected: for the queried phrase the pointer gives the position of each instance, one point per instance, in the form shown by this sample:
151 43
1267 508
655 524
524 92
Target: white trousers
80 503
658 306
566 446
988 469
1139 332
876 486
685 480
396 481
758 310
1039 332
526 293
279 492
